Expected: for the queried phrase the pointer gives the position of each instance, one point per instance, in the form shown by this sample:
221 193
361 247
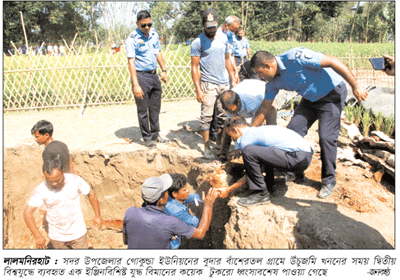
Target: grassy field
46 81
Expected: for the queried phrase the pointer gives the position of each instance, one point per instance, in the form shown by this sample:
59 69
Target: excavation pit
296 218
116 180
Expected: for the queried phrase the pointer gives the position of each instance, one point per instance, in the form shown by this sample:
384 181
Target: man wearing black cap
210 51
150 227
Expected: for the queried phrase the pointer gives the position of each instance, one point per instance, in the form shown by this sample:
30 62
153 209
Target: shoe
212 137
261 197
222 158
149 144
273 190
326 190
295 177
160 140
208 154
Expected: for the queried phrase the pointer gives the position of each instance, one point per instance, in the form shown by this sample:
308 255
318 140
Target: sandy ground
102 127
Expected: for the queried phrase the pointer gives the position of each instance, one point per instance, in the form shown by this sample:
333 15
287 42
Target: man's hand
390 59
138 92
163 77
223 192
40 242
98 222
235 81
209 199
360 93
200 97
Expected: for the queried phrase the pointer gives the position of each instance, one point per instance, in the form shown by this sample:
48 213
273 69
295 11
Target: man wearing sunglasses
143 50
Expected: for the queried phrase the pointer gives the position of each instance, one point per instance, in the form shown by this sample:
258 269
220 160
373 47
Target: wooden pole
73 41
86 88
26 38
354 20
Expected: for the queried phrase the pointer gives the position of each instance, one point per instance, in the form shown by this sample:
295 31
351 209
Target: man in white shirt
243 100
60 193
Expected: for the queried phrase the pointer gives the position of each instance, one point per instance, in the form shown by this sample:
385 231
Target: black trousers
148 108
327 111
256 157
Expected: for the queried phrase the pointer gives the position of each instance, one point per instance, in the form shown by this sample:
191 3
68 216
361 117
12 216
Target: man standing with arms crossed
210 52
143 50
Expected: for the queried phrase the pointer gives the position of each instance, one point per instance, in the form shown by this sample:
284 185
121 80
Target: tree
162 15
49 21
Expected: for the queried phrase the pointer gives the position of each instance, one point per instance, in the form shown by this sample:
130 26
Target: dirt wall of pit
116 180
358 215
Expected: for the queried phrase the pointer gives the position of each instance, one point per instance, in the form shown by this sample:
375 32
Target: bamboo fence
88 77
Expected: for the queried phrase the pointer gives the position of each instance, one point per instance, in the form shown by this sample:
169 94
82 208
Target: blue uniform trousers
256 157
327 111
148 108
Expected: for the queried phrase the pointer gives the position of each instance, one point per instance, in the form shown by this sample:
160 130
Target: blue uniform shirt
151 228
143 49
212 58
231 38
301 71
273 136
179 210
240 47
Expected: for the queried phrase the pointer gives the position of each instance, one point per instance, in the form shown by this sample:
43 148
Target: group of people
58 196
318 78
49 49
228 97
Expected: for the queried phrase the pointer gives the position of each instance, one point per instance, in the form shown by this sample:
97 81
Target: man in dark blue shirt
150 227
319 79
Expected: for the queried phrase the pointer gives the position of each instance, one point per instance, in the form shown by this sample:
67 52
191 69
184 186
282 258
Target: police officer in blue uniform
143 50
319 79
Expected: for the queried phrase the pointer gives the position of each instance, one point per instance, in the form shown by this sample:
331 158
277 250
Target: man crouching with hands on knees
60 194
149 227
269 146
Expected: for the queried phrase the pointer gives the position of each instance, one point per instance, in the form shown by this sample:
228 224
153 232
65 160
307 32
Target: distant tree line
326 21
322 21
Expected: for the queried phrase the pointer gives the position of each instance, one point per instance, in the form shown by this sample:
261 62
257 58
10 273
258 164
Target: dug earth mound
358 215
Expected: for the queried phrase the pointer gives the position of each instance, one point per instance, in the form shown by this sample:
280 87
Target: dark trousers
148 108
217 123
256 157
327 111
238 60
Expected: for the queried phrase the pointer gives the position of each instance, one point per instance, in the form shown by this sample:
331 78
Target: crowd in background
43 49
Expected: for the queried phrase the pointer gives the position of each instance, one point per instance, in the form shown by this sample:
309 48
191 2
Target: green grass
107 84
365 121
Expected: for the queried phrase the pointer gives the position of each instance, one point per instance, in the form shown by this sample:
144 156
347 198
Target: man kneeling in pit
270 146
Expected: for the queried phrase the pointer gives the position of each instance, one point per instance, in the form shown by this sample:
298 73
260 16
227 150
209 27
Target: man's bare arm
30 222
195 62
96 207
205 221
137 90
261 112
231 69
336 64
160 60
